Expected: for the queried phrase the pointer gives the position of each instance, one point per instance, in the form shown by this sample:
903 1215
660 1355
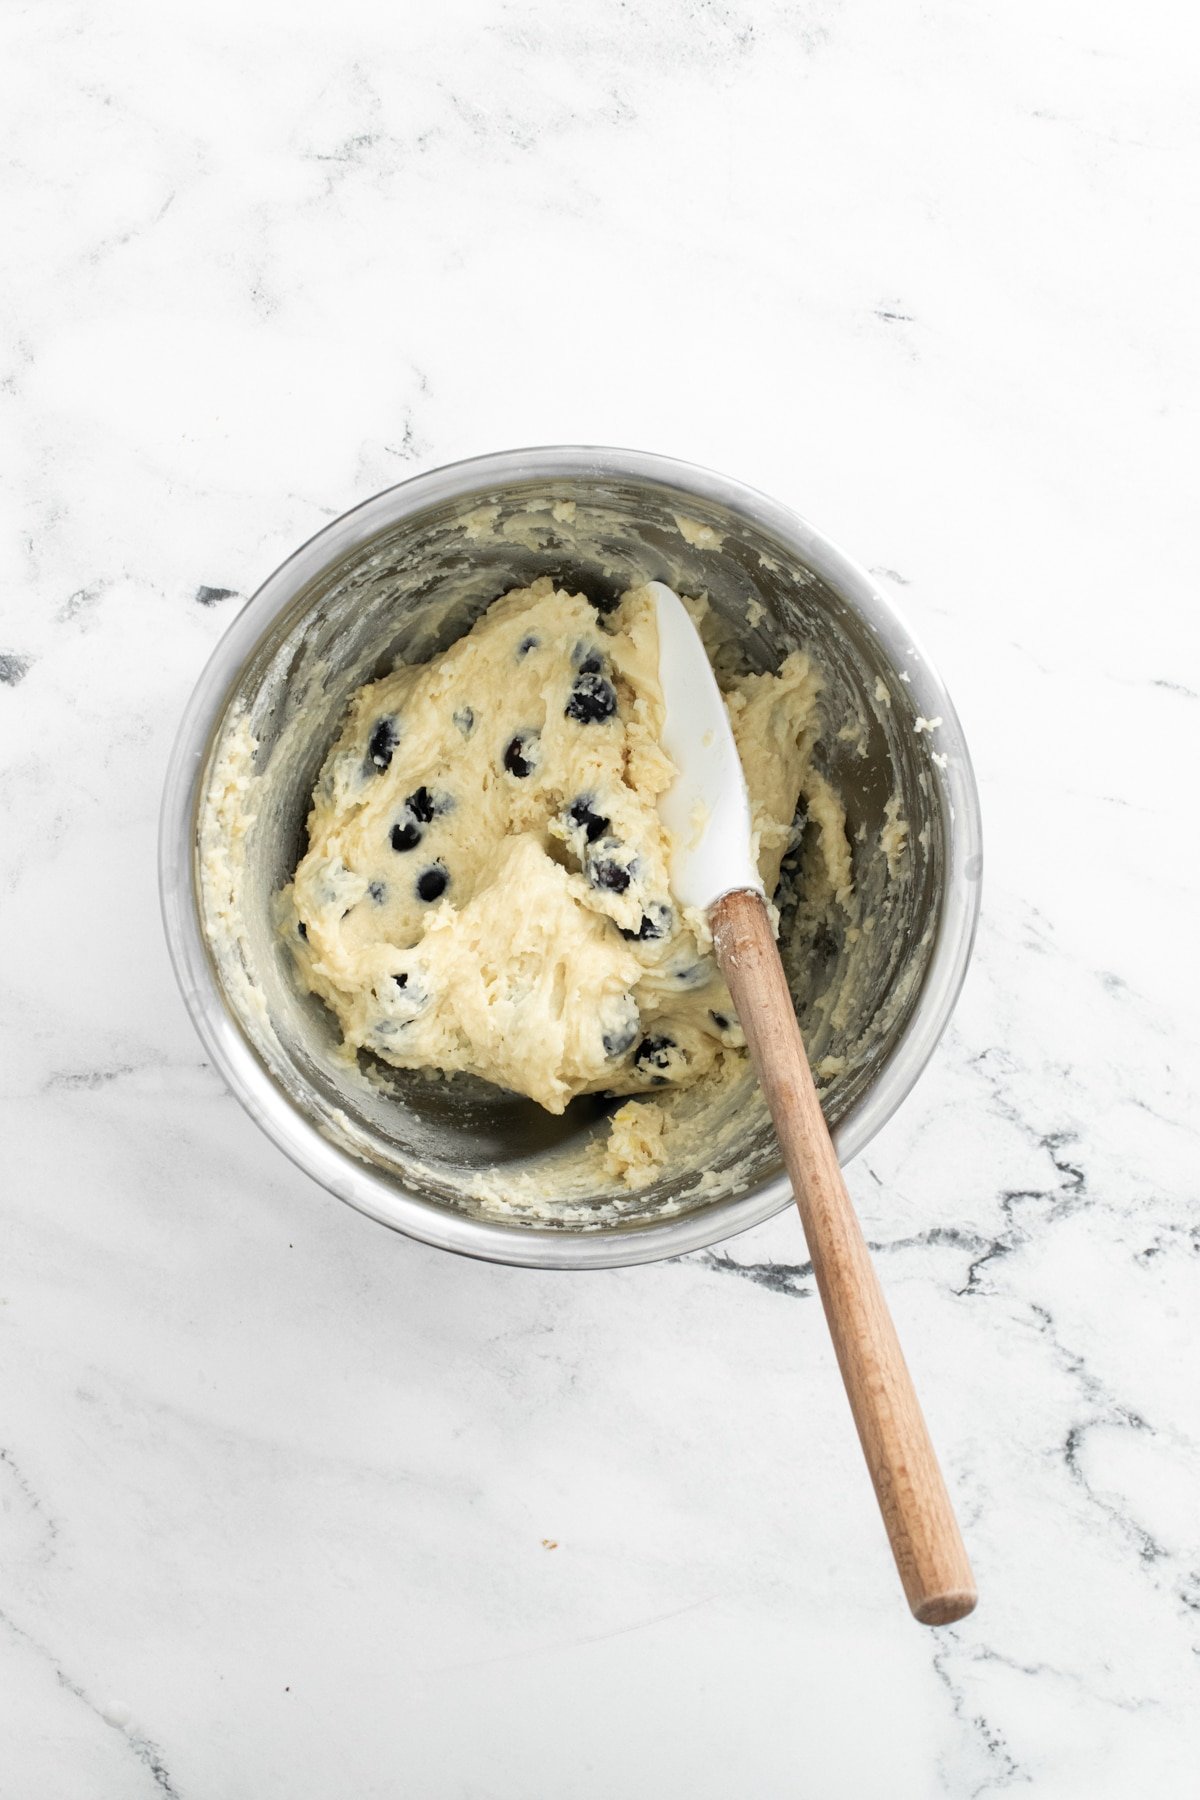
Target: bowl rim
239 1063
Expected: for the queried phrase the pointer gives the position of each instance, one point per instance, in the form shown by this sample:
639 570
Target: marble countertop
290 1506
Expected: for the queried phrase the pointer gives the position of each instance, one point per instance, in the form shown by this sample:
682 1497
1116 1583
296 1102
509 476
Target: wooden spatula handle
912 1496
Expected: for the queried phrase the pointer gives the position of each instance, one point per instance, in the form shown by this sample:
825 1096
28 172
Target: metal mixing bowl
458 1163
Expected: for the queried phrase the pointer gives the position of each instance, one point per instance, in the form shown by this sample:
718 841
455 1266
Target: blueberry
593 824
382 742
592 664
377 892
605 873
519 754
592 699
610 864
527 644
302 928
422 805
652 1056
651 927
433 882
464 718
719 1020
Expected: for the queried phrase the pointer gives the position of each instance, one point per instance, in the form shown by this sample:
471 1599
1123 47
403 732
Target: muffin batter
486 886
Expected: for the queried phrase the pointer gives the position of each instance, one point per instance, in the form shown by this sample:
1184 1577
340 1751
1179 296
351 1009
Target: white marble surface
278 1489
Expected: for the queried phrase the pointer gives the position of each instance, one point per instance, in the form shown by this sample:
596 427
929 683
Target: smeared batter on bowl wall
485 887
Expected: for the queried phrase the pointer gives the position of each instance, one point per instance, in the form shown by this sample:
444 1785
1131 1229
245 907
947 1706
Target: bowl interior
407 593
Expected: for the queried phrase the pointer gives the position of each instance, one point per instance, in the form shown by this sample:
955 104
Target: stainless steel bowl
403 574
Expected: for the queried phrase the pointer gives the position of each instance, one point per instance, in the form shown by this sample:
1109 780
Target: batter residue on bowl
486 887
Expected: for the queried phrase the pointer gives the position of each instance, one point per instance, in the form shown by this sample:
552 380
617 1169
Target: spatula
707 811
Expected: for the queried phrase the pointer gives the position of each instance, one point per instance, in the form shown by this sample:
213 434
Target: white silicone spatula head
707 812
707 809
